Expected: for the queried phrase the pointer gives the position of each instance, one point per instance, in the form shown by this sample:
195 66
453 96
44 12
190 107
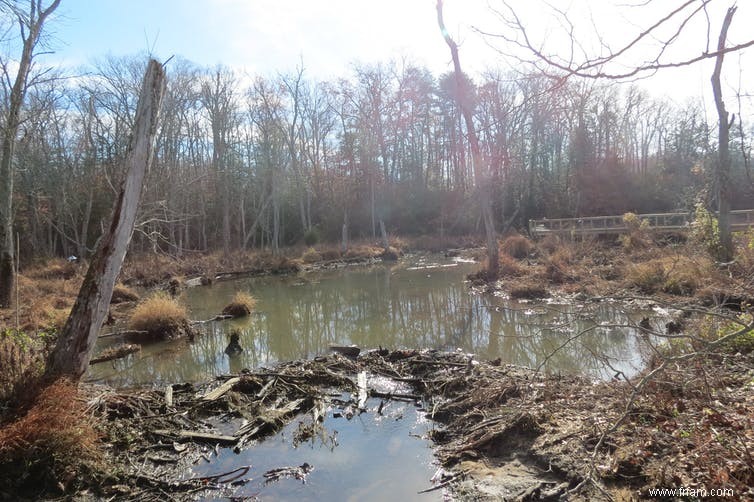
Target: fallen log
115 353
127 332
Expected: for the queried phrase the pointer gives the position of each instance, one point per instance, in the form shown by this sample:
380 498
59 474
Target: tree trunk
71 354
481 177
31 26
725 253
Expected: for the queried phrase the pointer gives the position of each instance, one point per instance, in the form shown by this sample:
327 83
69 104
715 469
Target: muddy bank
503 432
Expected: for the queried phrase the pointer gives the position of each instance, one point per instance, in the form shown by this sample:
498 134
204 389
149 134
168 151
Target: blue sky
266 36
270 36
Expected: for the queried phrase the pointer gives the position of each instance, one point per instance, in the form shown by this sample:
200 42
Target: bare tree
480 172
723 148
72 352
656 46
30 23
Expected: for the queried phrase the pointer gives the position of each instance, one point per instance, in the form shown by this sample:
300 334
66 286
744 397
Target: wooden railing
739 220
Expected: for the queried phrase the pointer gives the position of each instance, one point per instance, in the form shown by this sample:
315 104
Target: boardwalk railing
739 220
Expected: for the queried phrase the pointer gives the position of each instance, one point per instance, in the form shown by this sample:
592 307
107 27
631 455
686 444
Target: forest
246 162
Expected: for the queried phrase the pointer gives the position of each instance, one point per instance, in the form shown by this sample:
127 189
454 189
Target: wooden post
71 354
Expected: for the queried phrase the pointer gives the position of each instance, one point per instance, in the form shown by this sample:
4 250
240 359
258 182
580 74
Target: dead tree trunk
725 253
481 175
71 354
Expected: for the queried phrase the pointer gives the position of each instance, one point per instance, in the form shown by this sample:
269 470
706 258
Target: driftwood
116 353
220 391
218 317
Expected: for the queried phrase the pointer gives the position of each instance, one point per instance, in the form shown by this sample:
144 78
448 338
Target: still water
419 302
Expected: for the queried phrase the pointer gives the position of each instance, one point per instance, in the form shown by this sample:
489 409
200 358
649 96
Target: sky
327 36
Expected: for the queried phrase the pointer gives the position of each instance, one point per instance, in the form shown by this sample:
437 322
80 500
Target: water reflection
418 303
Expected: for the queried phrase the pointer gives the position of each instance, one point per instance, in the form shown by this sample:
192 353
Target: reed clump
241 305
160 317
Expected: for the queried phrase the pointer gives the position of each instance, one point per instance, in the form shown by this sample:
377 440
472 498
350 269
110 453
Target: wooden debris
116 353
197 436
352 351
299 473
169 395
222 389
361 381
128 332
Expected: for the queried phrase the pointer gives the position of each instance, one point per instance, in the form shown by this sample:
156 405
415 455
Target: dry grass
364 251
241 305
160 316
56 268
648 277
509 267
675 274
528 290
517 246
52 445
123 293
311 255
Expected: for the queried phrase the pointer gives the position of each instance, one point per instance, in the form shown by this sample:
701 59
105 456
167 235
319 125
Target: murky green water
421 302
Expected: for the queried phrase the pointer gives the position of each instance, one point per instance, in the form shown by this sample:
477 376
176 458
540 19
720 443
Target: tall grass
159 314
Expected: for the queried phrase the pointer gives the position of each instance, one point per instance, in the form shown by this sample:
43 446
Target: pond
420 302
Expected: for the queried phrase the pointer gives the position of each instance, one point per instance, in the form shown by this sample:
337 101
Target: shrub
311 255
517 246
550 243
509 267
682 276
648 277
22 360
704 230
241 305
637 235
160 316
311 237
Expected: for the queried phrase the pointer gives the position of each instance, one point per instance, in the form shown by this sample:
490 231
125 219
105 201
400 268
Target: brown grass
56 268
509 267
517 246
123 293
311 255
528 290
675 274
52 445
241 305
160 316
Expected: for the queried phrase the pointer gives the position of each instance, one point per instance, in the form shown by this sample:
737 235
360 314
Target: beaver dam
364 427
